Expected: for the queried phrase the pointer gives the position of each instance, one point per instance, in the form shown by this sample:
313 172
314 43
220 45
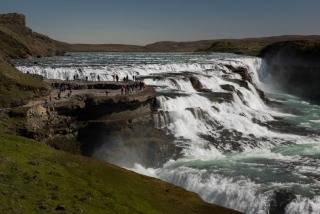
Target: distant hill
19 41
106 48
179 46
247 46
252 46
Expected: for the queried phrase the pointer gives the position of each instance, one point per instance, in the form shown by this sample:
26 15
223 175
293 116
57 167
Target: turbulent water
228 158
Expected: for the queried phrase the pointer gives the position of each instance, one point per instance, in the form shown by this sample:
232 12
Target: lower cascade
238 147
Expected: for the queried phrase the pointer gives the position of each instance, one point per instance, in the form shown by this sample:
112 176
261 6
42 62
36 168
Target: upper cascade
13 18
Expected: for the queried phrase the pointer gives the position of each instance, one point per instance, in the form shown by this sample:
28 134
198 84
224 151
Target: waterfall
231 155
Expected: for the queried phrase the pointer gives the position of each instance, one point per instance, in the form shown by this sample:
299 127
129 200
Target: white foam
193 114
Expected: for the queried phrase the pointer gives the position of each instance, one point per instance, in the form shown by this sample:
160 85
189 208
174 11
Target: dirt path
64 96
80 88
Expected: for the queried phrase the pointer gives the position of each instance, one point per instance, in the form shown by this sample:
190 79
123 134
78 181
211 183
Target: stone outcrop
118 128
13 19
293 67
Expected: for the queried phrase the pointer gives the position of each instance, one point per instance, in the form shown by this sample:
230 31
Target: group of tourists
115 77
92 77
130 87
125 89
62 88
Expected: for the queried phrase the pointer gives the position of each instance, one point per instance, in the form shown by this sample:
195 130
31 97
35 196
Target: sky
143 22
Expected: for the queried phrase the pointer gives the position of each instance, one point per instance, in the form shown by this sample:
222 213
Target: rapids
230 156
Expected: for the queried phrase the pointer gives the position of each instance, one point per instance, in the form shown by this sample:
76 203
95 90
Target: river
230 156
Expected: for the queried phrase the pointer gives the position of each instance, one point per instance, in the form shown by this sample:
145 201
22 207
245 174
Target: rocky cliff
116 128
13 19
19 41
293 67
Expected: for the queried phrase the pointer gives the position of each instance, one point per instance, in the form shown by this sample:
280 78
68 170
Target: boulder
196 84
228 87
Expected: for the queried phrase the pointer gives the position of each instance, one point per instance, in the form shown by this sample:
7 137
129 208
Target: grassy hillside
15 85
35 178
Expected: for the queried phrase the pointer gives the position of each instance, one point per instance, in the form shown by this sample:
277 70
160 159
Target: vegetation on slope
35 178
15 86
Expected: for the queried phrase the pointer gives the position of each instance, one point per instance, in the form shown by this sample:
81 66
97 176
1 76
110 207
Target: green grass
15 86
35 178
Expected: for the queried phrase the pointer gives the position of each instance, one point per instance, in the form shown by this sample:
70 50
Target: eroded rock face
293 67
118 129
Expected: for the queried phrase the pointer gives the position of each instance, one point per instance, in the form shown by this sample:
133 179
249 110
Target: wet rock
243 71
228 87
219 97
262 95
241 83
279 200
196 84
